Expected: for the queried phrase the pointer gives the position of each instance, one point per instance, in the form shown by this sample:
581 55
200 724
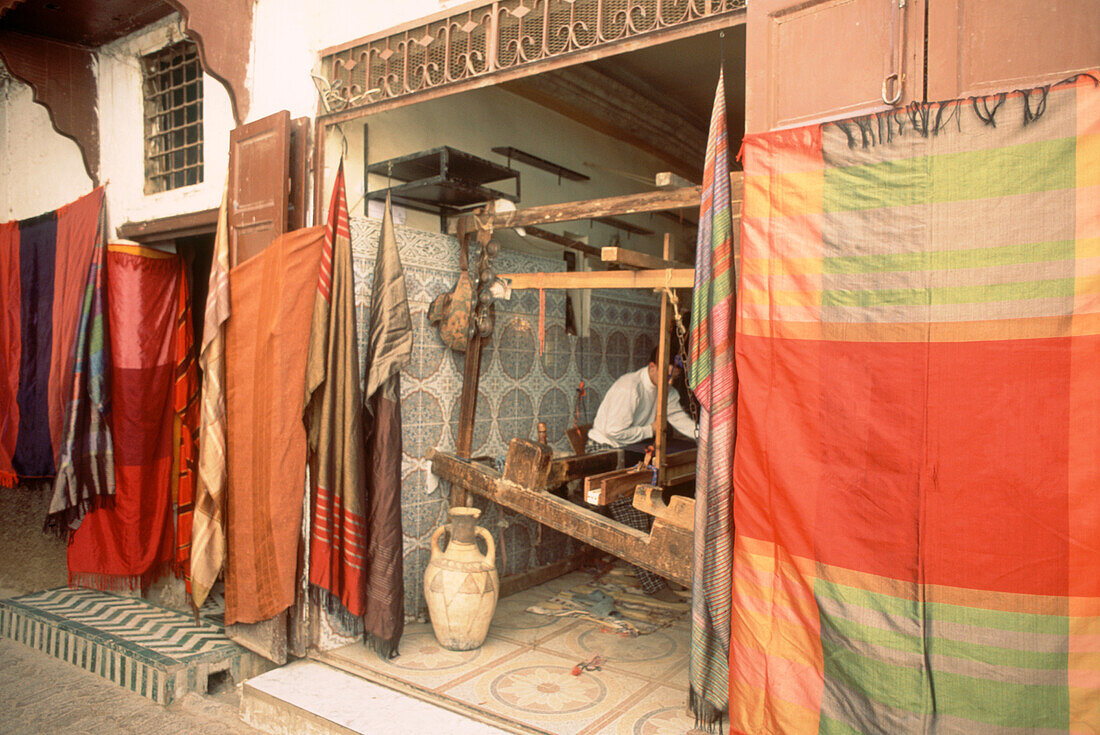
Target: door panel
259 185
809 61
982 46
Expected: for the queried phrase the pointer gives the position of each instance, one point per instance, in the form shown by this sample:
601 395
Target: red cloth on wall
129 543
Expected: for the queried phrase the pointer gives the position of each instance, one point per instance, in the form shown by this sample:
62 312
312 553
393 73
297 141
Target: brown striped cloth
208 522
333 416
389 348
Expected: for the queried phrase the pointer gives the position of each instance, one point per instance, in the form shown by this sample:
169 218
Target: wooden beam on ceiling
604 104
670 277
565 242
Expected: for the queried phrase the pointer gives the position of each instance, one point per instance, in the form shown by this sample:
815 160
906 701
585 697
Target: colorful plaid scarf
917 461
86 470
713 378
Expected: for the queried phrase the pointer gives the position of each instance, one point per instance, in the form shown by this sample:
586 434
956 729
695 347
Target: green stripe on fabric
966 651
1042 252
1045 289
890 605
828 726
994 702
895 686
949 177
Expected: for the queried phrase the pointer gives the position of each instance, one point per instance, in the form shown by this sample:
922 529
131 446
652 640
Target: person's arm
678 417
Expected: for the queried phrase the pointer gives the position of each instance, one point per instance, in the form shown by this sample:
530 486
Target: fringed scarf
713 377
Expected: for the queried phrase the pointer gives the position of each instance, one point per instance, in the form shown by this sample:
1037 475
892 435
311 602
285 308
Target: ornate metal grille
173 117
494 37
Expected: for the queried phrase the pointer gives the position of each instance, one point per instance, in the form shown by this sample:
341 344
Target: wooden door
980 46
259 185
822 59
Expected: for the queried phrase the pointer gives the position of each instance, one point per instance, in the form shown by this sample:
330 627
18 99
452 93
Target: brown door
259 184
981 46
808 61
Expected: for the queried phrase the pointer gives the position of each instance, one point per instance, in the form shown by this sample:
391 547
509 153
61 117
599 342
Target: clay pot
461 583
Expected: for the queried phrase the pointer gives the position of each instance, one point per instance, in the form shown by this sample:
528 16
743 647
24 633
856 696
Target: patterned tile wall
518 386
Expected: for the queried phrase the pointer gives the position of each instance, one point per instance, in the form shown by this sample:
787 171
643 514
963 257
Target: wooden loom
532 472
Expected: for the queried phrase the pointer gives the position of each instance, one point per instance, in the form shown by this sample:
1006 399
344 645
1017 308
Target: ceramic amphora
461 583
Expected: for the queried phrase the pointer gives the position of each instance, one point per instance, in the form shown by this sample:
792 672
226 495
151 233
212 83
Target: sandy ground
30 560
39 694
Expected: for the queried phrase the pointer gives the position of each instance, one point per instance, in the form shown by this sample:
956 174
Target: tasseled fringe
338 615
384 648
105 582
707 717
8 479
62 523
119 582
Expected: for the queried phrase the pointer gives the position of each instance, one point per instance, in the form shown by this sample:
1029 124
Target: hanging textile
266 343
334 425
208 529
917 465
714 380
389 348
86 468
127 544
185 431
44 264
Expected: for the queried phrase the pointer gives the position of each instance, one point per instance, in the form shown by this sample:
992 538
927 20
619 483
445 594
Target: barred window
173 117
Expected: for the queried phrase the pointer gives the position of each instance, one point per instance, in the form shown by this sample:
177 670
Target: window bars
173 117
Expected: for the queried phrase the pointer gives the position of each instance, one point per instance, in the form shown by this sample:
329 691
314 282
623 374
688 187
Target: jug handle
490 546
436 551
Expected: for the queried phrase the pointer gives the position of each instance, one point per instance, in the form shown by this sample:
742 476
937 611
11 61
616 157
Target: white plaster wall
121 132
288 36
40 170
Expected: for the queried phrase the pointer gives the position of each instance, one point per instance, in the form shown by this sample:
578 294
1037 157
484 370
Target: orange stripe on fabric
783 679
1088 324
139 250
748 705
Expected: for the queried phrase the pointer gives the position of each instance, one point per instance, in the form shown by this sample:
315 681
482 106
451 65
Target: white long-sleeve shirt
627 411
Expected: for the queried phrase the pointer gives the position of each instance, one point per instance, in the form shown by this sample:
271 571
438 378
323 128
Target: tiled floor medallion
548 690
422 652
663 721
650 647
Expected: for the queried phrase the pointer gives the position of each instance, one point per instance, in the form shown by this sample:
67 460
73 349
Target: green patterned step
152 650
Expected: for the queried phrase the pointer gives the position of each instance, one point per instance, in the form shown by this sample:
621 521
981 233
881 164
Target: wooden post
660 438
471 371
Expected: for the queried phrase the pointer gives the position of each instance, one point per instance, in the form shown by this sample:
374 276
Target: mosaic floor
523 672
156 652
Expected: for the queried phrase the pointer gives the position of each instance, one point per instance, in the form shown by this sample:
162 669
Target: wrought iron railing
491 38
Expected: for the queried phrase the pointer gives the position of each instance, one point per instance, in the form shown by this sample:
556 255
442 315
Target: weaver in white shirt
629 410
628 415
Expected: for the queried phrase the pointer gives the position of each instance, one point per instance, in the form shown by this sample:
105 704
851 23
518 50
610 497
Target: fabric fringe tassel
105 582
61 524
385 649
8 479
708 718
119 582
341 619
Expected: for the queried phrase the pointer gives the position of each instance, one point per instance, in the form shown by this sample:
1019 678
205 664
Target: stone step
308 697
157 652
